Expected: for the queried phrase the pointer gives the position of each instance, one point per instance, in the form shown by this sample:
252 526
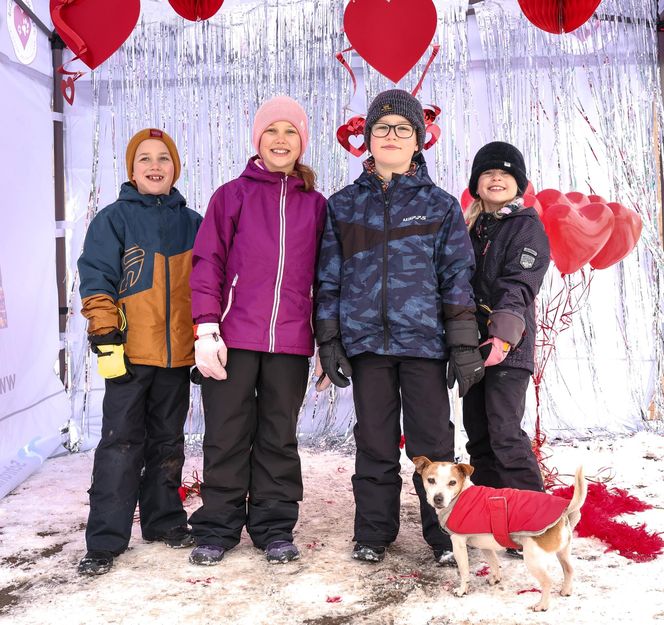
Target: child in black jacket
512 256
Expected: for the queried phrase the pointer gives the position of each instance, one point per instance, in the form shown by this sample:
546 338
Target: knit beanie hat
396 102
152 133
498 155
281 108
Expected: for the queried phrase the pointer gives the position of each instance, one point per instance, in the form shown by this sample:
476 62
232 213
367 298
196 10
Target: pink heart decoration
623 239
354 127
390 36
577 234
23 25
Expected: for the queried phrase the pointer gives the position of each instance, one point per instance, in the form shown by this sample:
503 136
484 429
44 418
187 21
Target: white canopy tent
586 110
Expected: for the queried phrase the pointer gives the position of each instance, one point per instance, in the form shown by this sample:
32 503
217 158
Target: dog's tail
578 498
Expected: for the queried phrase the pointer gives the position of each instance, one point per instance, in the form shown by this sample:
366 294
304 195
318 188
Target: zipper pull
486 247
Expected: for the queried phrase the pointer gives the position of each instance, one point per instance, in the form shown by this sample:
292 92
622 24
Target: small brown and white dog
489 519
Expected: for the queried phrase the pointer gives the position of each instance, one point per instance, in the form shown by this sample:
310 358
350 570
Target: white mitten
210 351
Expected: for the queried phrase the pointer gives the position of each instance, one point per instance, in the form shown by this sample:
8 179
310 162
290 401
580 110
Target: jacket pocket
230 298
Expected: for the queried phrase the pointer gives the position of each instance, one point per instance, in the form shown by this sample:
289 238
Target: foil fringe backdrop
204 81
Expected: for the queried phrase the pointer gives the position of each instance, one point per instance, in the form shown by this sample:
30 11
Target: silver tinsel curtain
585 109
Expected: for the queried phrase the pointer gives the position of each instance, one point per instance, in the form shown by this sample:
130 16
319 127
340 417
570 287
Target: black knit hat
498 155
396 102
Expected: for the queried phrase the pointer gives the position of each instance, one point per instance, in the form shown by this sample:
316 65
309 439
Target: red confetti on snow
206 581
523 592
333 600
484 571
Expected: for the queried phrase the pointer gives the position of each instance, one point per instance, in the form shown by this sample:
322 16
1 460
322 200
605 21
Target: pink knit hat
281 108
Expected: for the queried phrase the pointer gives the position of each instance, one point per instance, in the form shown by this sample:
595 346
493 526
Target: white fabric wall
33 404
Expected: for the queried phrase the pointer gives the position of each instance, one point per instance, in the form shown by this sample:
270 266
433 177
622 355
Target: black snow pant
381 386
139 458
500 451
250 448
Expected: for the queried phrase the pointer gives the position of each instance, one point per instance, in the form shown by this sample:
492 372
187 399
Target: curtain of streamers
585 109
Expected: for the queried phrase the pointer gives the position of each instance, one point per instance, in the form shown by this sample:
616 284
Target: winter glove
332 359
112 363
466 365
494 351
323 381
210 351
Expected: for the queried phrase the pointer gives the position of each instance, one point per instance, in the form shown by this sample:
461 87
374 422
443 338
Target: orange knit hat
152 133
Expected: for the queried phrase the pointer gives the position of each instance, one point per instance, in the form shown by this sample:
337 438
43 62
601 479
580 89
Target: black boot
96 563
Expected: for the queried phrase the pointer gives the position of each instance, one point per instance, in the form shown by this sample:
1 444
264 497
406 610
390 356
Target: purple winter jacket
254 262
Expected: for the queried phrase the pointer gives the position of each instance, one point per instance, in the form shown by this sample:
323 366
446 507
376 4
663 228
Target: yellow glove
111 363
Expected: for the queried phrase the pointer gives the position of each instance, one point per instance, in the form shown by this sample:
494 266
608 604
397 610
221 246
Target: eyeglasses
403 131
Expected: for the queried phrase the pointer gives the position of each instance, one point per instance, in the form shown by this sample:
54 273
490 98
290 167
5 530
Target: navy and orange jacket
137 256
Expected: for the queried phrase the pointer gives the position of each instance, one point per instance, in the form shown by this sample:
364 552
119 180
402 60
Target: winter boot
207 555
281 551
96 563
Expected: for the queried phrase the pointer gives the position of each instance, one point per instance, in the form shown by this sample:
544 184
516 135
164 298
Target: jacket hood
253 171
419 179
128 192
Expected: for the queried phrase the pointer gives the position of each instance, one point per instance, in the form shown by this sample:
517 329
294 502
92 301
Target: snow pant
381 386
139 458
500 451
250 448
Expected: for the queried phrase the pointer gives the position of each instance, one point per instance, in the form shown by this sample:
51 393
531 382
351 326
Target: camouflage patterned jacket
394 265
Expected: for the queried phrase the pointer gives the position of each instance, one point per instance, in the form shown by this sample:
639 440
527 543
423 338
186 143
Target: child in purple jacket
252 280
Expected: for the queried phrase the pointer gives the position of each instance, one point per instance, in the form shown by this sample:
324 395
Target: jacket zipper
167 275
230 298
280 269
387 201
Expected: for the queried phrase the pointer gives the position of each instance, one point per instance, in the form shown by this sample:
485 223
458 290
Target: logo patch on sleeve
527 259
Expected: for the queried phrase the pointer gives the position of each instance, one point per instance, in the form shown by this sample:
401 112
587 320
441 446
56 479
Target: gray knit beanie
396 102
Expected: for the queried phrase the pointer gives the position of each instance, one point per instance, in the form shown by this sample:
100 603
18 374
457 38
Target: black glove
112 362
332 358
466 365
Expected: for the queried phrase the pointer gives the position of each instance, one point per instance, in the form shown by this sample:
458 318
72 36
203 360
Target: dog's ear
421 463
466 469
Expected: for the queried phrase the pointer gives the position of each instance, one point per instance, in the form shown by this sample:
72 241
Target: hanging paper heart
94 30
623 239
558 16
196 10
431 127
354 127
390 35
577 235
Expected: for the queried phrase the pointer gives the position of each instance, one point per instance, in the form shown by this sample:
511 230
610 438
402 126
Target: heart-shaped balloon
94 30
577 235
354 127
196 10
558 16
530 199
578 199
466 199
390 35
549 197
623 239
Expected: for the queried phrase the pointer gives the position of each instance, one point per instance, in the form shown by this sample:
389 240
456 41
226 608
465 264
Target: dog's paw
566 592
460 591
494 579
540 607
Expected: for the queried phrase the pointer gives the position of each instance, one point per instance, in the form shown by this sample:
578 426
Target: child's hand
335 363
323 381
494 351
210 351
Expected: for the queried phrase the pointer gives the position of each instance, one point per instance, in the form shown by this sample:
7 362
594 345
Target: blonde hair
473 212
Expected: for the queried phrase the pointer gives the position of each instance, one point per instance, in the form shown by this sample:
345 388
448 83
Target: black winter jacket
511 258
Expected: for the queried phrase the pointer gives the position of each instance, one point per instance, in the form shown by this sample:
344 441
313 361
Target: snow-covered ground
42 538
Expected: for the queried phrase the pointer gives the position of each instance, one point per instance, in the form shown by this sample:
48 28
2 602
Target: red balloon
390 36
577 235
548 197
531 200
94 30
196 10
558 16
623 239
530 190
597 198
578 199
466 199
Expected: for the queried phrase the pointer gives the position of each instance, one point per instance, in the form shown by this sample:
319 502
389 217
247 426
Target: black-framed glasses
403 131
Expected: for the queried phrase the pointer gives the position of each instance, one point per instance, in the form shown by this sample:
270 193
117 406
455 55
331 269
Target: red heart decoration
530 190
577 235
390 35
558 16
577 199
94 30
22 24
354 127
466 199
623 239
549 197
434 131
530 199
597 198
196 10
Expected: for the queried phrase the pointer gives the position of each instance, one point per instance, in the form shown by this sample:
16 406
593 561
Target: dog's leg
534 558
494 565
565 559
461 556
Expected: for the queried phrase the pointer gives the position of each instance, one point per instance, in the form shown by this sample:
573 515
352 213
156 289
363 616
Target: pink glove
210 351
323 381
499 350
